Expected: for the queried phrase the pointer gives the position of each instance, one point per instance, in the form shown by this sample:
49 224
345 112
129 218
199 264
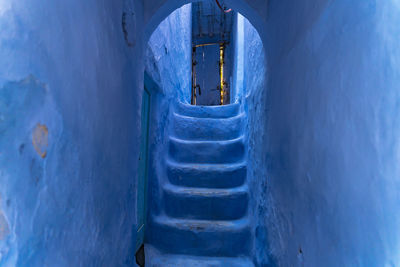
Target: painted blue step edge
200 237
224 111
185 151
190 128
155 258
204 203
206 175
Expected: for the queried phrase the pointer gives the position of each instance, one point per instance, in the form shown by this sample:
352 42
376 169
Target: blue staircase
204 219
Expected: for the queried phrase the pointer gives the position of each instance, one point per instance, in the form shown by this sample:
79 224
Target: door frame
153 90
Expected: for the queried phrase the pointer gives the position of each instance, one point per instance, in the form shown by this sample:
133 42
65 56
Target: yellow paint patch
40 139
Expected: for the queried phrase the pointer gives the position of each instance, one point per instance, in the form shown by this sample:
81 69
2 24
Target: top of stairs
225 111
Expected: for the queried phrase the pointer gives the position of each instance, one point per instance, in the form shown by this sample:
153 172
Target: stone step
205 203
200 237
191 128
185 151
206 175
224 111
155 258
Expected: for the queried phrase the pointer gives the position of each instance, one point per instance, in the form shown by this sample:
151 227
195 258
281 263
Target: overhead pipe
223 9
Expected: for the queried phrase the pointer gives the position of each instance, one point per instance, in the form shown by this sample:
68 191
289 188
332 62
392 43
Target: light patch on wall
4 228
397 3
40 139
5 5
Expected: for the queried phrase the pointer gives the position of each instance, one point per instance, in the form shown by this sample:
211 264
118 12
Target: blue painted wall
332 145
238 58
328 131
69 109
168 62
323 135
168 56
250 89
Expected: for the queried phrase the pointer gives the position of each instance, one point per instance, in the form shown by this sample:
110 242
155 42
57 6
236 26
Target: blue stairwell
204 200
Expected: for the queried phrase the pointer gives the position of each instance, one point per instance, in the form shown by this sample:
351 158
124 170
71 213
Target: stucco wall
168 64
169 54
333 132
71 86
251 78
69 108
323 137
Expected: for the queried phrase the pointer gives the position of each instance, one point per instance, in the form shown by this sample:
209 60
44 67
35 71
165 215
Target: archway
162 9
176 125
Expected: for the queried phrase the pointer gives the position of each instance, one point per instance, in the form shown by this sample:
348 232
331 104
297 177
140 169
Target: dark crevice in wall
140 257
128 22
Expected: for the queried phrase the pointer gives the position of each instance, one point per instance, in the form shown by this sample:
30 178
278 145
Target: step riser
154 258
207 129
191 242
206 152
207 179
205 200
225 111
229 207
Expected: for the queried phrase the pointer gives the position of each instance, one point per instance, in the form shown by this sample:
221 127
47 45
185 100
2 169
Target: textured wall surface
70 94
168 66
251 80
333 132
68 134
169 55
323 137
237 58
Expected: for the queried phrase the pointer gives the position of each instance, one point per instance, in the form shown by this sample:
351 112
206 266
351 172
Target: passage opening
197 55
212 53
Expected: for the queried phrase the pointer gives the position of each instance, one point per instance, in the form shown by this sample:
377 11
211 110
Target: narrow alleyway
102 157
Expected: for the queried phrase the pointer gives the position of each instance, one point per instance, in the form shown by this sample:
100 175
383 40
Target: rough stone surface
169 55
68 134
253 95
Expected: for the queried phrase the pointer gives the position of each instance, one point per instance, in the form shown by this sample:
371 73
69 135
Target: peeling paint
40 139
